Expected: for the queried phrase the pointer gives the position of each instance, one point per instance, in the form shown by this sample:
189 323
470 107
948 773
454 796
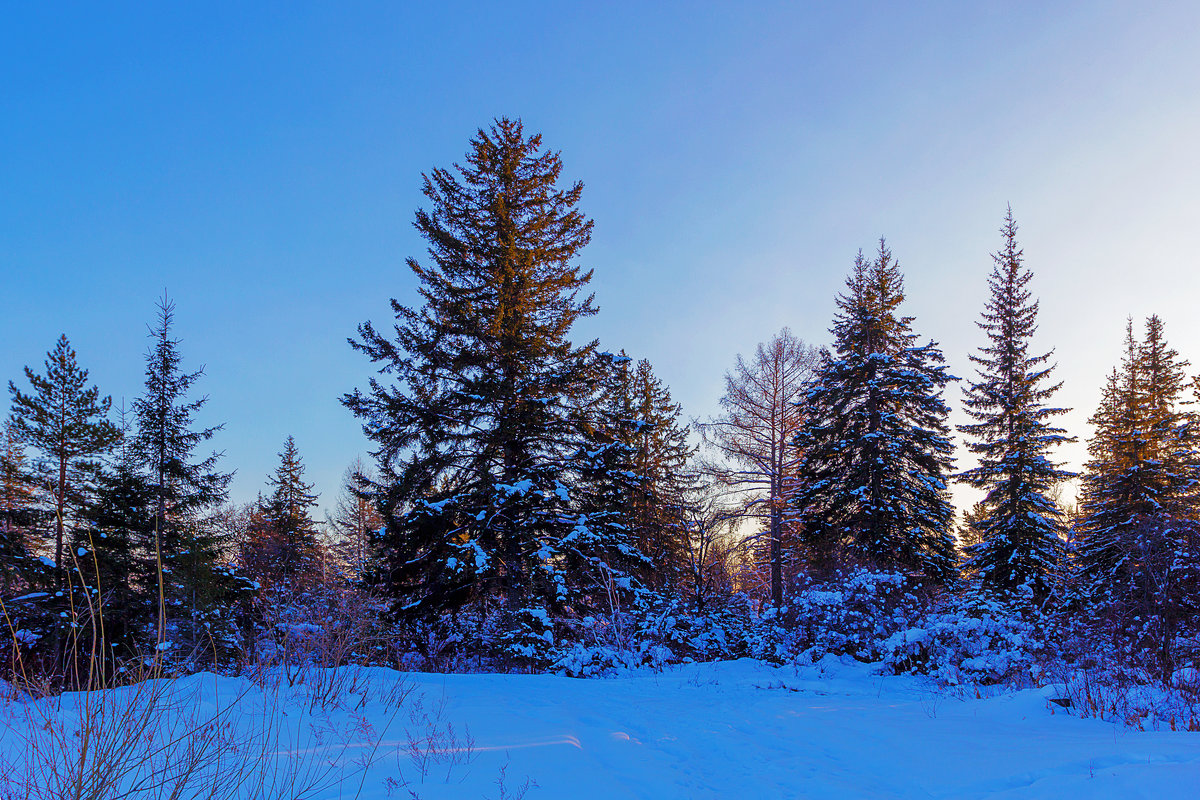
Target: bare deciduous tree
354 519
710 527
753 436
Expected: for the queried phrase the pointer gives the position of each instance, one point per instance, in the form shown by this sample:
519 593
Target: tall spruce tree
661 452
875 445
65 421
1021 526
116 567
1138 557
635 471
1142 466
478 437
195 583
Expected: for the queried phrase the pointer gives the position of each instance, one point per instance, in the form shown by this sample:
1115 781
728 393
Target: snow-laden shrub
654 632
527 637
851 614
976 640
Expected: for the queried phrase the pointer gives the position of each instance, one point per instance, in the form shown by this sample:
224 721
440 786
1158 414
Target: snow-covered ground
739 729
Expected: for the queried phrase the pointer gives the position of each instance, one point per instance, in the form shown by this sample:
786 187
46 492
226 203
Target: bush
973 639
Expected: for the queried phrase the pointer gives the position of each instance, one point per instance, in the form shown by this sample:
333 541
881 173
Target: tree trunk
776 556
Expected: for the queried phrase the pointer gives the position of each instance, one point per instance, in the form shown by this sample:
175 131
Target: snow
519 488
725 729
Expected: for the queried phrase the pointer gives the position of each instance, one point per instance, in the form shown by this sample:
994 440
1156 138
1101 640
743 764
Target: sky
261 164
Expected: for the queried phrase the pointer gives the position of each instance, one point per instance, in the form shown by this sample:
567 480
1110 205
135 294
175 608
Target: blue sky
262 164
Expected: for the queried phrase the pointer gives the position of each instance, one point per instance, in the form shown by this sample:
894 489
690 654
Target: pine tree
875 444
195 583
1022 528
477 438
634 470
1138 557
17 511
115 566
289 549
661 452
66 422
969 533
1141 465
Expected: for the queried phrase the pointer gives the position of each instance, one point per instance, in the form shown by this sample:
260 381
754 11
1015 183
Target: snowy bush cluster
876 617
974 640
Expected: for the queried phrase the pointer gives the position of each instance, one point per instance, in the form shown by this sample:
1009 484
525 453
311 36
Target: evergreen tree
661 453
477 438
1138 557
65 420
875 445
969 533
115 568
194 584
16 508
288 549
633 474
1142 462
1021 526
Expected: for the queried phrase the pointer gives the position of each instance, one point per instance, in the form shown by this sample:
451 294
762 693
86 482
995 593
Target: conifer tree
65 421
1138 557
114 564
477 438
1142 462
1021 526
634 473
661 452
875 444
16 507
290 546
195 582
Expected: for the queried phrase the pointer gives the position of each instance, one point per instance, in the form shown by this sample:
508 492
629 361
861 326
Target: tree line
117 540
522 479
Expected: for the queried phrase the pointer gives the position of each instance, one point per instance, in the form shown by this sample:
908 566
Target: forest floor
740 729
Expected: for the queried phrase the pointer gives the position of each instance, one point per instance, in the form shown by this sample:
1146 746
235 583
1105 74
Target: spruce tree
115 566
65 421
195 584
661 452
17 511
1021 526
1138 557
1142 462
477 437
634 471
290 548
875 445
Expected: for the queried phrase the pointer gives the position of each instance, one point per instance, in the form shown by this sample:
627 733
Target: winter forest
875 566
538 504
